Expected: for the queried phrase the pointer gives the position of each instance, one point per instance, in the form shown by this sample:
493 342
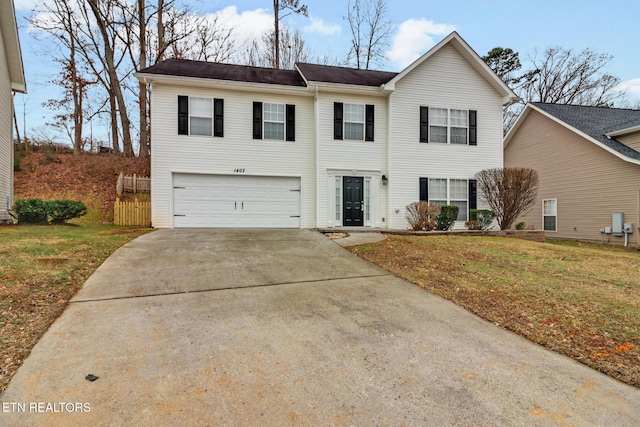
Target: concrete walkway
276 328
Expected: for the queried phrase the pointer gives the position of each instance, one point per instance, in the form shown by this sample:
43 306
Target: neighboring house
588 161
321 146
11 80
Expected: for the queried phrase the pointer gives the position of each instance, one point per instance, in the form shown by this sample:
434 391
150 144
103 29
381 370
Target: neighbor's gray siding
588 182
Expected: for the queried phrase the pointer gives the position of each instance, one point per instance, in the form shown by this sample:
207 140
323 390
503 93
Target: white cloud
248 25
414 37
631 87
319 26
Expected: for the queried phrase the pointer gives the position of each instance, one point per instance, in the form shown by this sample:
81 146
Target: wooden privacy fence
133 184
132 213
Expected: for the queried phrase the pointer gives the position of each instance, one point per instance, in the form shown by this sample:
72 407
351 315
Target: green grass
579 299
41 268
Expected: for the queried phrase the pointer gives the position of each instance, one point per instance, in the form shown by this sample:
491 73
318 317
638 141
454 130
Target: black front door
353 201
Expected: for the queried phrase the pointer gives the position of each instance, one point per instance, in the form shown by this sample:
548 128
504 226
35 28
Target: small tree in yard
509 192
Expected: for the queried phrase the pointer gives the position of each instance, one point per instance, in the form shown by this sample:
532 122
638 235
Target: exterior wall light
385 180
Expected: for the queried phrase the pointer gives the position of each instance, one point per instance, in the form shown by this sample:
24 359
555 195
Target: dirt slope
90 178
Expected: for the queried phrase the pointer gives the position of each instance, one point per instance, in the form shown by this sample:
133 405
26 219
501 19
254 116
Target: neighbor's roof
598 124
343 75
217 71
9 29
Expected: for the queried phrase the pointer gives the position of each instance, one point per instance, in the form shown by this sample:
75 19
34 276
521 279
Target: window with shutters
550 214
274 121
200 116
448 126
353 122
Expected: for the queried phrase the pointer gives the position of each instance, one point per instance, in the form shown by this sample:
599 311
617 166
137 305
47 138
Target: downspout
316 118
389 171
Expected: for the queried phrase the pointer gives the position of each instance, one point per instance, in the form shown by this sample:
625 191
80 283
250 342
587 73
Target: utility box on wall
617 222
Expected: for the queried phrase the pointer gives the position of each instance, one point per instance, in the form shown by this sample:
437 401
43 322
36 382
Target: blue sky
605 27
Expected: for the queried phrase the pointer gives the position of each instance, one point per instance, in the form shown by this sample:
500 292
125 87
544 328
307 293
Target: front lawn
581 300
41 269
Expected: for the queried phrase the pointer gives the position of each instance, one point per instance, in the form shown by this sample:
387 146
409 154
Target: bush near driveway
41 268
578 299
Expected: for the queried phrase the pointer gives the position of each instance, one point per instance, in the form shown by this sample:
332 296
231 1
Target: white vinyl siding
445 80
238 153
6 134
338 158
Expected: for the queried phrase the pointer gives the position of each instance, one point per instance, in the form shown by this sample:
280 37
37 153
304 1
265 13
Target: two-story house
321 146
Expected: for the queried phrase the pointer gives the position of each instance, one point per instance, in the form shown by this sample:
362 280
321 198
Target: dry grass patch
577 299
41 268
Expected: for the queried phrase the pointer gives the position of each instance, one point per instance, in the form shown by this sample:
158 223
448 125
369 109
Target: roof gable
9 29
592 123
471 57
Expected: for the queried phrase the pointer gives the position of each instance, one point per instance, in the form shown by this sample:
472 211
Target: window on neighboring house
448 126
550 214
200 116
353 121
274 121
454 192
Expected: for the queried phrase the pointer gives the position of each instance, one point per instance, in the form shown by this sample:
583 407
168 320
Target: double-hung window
550 215
448 126
449 191
200 116
353 122
274 121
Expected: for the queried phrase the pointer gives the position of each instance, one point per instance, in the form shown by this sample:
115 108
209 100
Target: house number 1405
238 170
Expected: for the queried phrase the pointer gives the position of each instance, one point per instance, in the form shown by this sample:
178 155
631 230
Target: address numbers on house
238 170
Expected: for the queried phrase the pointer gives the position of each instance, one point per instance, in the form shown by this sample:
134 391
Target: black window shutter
257 120
183 115
424 189
291 122
218 117
473 194
424 124
337 120
369 120
473 127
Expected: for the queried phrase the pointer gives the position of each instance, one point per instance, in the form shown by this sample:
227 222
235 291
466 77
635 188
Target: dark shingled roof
596 122
350 76
238 73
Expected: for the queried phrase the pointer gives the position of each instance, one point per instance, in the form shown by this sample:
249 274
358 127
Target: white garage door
235 201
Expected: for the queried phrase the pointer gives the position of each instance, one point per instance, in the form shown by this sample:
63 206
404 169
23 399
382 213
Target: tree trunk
162 45
142 99
115 138
276 34
114 81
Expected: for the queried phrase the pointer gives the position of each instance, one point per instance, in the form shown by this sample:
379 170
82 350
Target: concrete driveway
243 328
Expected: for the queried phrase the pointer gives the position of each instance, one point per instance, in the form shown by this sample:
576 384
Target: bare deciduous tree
509 192
63 26
566 77
370 32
